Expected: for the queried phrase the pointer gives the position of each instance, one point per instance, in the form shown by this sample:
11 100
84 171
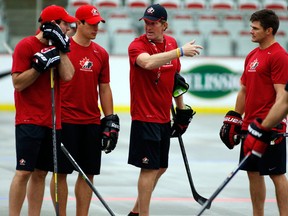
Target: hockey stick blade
225 182
78 168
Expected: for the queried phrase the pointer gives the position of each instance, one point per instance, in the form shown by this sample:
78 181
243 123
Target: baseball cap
89 13
155 12
54 12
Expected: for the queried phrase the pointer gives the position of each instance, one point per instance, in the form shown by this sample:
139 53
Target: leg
146 184
35 192
281 190
83 195
136 205
17 192
62 192
257 192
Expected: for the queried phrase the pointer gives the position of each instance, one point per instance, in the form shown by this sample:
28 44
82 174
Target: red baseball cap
54 12
89 13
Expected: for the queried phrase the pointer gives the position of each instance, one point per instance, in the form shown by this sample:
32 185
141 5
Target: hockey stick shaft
78 168
201 200
225 182
5 74
54 141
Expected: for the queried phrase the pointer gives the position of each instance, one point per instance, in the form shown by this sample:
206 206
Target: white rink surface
209 160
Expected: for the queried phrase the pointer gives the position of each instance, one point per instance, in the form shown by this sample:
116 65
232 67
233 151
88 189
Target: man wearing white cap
83 133
32 60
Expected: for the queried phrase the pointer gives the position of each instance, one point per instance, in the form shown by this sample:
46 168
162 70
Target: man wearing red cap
83 133
154 62
32 60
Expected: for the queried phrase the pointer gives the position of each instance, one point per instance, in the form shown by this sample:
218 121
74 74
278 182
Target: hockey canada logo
22 162
212 81
150 10
86 64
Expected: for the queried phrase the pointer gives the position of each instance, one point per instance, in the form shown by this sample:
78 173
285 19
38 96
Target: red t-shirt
34 104
151 90
80 95
263 69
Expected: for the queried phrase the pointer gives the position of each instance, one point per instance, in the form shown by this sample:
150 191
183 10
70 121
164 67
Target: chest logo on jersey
86 64
253 65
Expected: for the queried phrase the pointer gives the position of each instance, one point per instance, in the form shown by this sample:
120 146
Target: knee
22 175
40 174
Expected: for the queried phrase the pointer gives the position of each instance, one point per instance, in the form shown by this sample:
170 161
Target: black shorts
34 147
273 161
149 145
84 144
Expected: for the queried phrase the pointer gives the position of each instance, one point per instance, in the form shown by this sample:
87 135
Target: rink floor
209 160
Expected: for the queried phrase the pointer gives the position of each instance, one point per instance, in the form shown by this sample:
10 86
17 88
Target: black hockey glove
181 121
110 129
180 85
45 59
258 139
230 129
54 33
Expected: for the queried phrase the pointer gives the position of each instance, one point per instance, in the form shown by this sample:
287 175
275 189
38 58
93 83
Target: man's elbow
68 76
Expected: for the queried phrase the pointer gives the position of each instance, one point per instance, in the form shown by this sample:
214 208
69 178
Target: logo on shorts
145 160
22 162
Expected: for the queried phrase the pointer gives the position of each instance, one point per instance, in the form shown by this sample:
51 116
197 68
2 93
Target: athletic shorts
272 162
149 145
84 144
34 147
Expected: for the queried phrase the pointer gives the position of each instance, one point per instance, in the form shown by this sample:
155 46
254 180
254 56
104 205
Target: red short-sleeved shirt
263 69
151 90
34 104
80 95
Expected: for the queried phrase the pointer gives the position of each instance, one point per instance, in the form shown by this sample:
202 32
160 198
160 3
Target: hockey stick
55 162
201 200
78 168
5 74
226 181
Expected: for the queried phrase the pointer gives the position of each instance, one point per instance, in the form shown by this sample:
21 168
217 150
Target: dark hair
267 19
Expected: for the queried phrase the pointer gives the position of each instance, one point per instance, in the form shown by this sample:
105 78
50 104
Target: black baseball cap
155 12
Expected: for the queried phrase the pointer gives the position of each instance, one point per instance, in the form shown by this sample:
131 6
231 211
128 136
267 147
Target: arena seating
188 19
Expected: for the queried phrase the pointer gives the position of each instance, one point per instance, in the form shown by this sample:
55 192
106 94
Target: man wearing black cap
154 61
32 60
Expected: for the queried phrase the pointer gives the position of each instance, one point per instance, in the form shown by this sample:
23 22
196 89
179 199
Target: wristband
178 52
181 51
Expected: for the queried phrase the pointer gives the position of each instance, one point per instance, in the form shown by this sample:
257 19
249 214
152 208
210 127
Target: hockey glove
181 121
279 129
257 140
110 129
54 33
230 129
180 85
45 59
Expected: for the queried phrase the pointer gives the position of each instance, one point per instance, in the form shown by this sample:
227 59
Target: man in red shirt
32 60
262 84
83 133
154 61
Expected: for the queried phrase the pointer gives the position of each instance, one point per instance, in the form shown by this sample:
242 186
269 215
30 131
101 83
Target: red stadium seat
137 3
275 5
248 5
78 3
107 3
195 4
221 5
169 4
